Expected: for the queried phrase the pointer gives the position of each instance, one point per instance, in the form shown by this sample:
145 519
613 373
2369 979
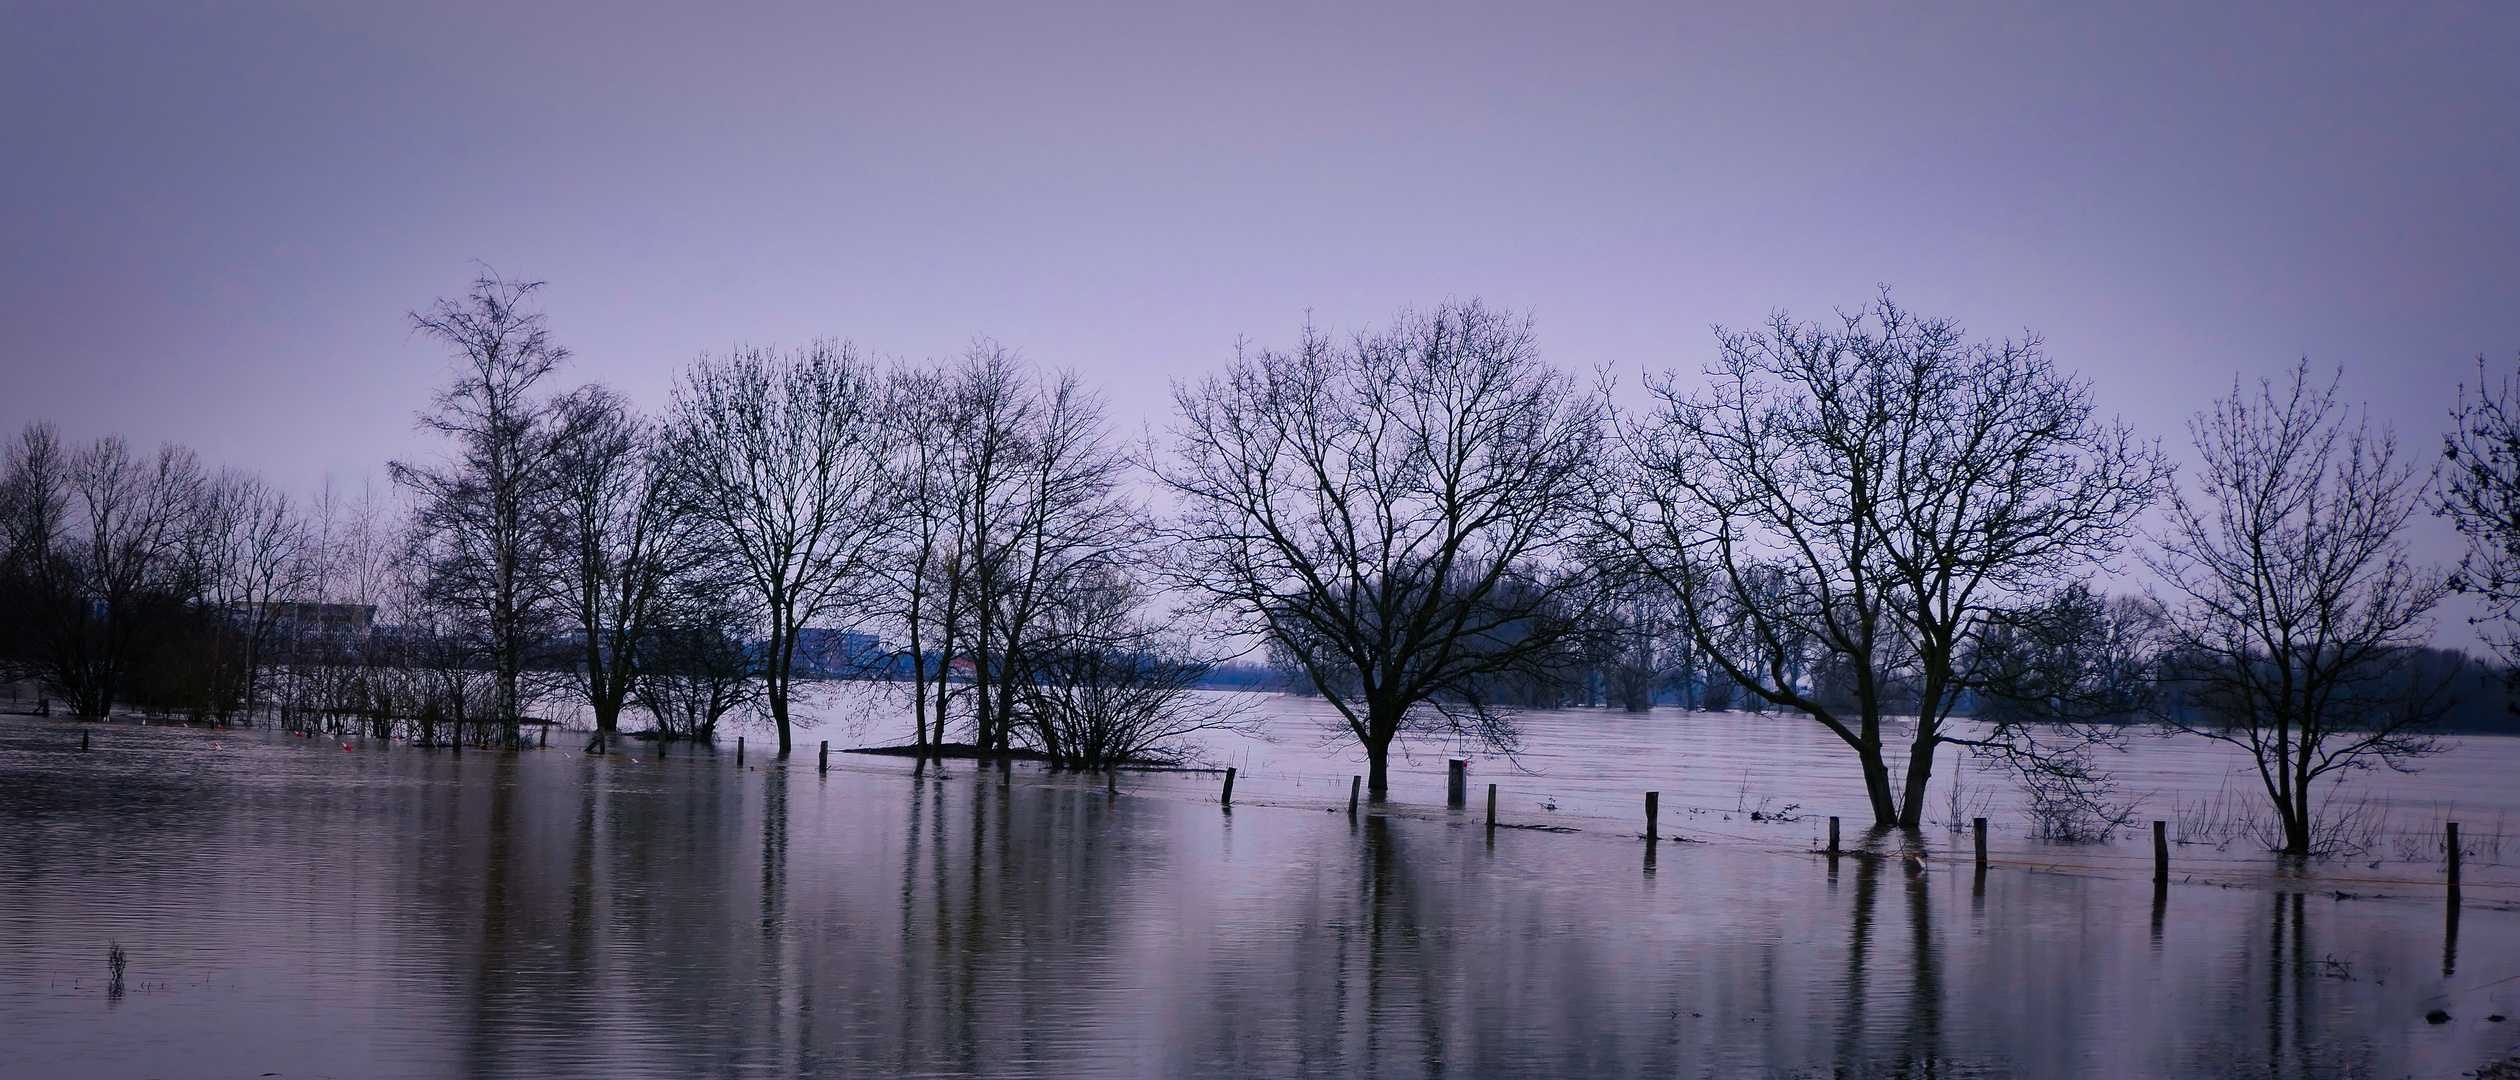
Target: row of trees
1873 521
974 510
569 552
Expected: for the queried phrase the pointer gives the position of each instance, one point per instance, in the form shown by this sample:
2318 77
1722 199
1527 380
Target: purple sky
213 216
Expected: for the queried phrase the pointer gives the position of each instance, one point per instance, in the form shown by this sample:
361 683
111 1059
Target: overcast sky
213 216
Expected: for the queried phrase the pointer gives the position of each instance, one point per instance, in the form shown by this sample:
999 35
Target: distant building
836 653
322 618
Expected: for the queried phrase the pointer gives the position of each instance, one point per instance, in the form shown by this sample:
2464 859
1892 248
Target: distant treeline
1871 521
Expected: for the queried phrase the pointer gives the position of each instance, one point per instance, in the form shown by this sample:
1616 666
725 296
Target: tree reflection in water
547 915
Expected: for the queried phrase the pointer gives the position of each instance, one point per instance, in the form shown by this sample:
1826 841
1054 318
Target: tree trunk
781 668
1920 773
1382 724
1885 807
2296 815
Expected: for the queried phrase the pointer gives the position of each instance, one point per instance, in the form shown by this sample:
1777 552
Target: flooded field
294 907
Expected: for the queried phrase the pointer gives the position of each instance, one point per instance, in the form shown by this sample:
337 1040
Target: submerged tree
2294 606
1395 517
783 461
1846 508
697 668
2481 495
104 561
479 527
1103 686
2058 680
1007 493
618 546
258 559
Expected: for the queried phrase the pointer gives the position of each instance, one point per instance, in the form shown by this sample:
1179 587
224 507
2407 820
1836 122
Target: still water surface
290 907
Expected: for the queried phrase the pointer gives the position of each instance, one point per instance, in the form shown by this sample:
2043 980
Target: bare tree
1395 517
619 545
479 526
1844 508
2481 495
1103 686
1009 491
345 667
698 667
258 561
1064 524
784 460
34 511
104 560
927 493
2293 603
2059 678
1649 649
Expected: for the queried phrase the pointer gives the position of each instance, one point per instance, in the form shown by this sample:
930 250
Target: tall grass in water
2345 829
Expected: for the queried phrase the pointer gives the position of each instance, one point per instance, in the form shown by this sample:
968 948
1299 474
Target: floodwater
290 907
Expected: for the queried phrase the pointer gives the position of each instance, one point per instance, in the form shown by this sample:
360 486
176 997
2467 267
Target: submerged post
739 751
2451 838
1356 784
83 743
1491 806
545 741
1228 798
826 757
1457 783
2161 854
1833 836
1653 810
1980 825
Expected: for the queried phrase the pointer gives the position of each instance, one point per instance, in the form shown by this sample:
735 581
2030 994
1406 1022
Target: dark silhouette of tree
1009 493
1844 509
479 529
698 667
782 460
1103 686
2293 603
104 561
1394 517
2060 678
257 560
618 545
2481 495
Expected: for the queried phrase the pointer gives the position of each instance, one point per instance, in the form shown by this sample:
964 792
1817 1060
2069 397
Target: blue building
826 653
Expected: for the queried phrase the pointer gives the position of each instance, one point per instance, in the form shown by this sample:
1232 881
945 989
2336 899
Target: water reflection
1916 1032
548 914
2450 936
